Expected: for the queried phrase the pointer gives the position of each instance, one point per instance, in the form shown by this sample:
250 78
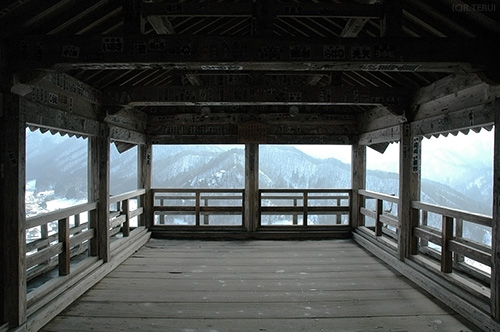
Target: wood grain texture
180 285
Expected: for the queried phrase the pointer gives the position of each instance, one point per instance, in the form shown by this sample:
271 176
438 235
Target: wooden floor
255 286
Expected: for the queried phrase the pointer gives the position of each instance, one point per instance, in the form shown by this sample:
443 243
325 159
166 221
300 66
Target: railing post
304 207
425 220
295 218
205 217
378 211
459 232
446 236
65 255
13 214
197 207
126 224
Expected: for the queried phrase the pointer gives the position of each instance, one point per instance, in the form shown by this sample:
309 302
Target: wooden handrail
127 195
59 214
375 195
476 218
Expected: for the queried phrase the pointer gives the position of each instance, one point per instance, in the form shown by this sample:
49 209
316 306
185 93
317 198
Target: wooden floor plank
441 323
186 296
178 285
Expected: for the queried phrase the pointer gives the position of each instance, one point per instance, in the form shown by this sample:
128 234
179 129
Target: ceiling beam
274 8
236 54
255 95
280 128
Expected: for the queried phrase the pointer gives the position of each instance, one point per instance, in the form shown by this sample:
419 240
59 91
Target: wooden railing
196 206
66 248
123 212
59 239
379 217
438 245
447 242
297 206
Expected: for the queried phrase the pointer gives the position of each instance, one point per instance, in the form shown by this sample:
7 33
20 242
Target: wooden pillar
93 189
495 245
358 181
145 164
251 202
13 217
103 152
409 190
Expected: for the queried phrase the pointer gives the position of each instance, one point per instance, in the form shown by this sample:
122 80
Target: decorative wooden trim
45 116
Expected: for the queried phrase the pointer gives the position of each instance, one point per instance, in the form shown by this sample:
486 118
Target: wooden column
145 160
409 190
103 151
358 181
495 252
251 208
13 217
93 189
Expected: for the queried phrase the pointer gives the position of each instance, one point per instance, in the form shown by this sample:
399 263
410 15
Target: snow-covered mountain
60 165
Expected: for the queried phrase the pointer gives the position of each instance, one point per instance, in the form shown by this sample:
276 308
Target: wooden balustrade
455 248
385 223
122 214
65 250
65 243
200 203
305 203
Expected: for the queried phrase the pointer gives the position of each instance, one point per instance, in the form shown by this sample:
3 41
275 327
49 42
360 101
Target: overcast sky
474 145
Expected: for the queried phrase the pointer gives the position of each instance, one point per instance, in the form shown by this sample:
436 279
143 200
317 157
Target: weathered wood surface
257 285
212 53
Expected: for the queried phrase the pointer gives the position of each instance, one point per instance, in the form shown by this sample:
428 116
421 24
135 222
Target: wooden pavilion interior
142 73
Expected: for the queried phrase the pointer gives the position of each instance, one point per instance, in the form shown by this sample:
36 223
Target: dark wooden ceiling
183 29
